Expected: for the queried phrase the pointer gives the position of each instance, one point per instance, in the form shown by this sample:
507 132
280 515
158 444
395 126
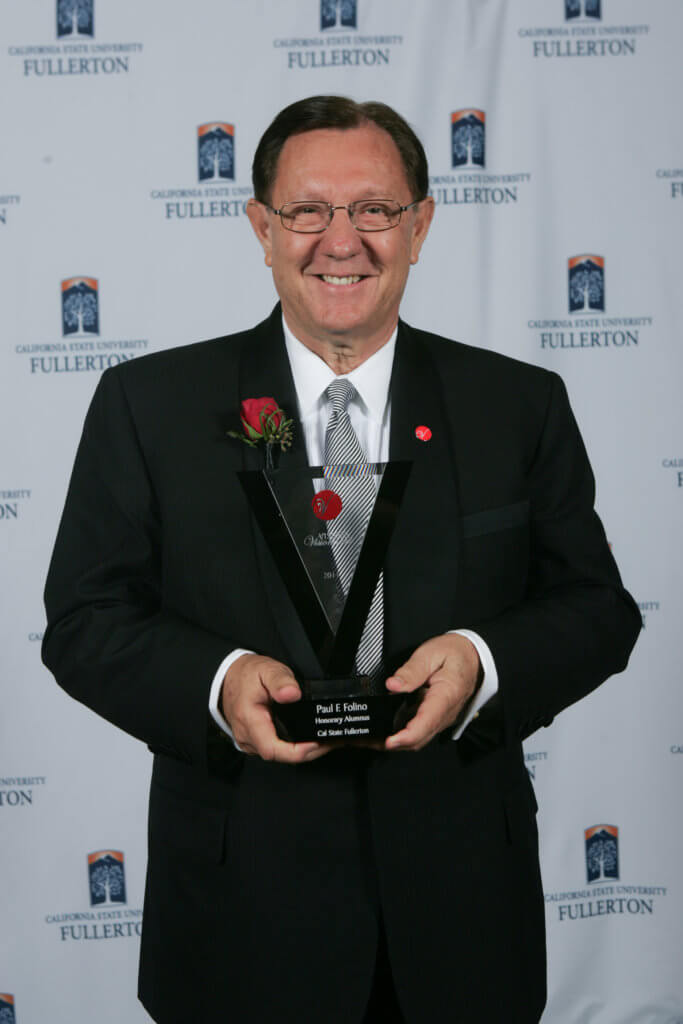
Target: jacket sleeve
576 624
111 640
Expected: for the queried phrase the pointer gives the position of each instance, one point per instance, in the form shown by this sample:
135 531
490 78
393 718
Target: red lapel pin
423 433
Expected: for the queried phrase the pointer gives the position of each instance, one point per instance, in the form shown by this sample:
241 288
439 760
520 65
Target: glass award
330 560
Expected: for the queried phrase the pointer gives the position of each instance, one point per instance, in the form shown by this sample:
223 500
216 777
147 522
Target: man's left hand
449 667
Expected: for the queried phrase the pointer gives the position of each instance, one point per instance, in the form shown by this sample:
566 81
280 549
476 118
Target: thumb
281 685
413 673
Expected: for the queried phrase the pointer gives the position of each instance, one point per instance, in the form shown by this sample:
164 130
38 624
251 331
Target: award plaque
300 513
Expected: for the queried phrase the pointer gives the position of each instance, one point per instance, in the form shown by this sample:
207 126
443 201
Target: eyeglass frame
348 208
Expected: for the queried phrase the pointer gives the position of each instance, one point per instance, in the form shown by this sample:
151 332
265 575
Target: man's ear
261 223
423 218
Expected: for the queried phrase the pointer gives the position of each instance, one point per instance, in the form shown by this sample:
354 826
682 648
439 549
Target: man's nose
341 238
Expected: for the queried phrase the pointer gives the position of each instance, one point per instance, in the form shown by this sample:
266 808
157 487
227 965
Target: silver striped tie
347 472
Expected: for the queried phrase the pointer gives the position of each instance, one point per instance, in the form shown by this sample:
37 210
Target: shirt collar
312 375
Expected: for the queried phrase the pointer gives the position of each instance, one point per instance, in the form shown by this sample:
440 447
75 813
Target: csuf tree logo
7 1009
582 9
468 138
216 151
80 306
602 853
75 18
106 877
338 14
586 284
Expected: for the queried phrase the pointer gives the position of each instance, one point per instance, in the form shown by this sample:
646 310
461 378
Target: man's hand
449 666
250 685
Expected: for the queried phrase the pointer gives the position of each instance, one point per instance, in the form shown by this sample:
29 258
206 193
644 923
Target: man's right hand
250 685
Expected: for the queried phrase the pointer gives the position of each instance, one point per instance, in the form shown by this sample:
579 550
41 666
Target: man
304 881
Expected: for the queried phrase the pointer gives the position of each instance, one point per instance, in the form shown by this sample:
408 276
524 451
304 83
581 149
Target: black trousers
383 1005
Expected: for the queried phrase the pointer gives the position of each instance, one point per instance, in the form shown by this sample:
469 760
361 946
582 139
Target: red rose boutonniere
264 422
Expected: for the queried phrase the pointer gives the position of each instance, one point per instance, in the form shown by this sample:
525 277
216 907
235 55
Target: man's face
341 286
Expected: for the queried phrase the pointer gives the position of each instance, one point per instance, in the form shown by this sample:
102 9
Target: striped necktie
347 472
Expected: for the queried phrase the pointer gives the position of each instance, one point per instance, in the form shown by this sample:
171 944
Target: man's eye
374 210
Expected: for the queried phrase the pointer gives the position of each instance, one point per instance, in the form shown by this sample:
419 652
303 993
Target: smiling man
310 882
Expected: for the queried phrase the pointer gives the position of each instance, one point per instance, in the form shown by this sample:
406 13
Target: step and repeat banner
556 156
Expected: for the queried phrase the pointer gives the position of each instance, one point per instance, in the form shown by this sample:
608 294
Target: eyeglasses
314 217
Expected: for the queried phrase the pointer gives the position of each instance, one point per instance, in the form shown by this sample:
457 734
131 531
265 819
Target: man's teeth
328 279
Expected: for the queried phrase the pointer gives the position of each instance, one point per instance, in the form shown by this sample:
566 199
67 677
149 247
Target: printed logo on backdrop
582 9
75 17
673 177
76 52
467 182
677 466
346 39
584 32
20 790
7 1015
588 326
7 204
106 915
216 151
338 14
586 284
605 892
468 138
602 852
80 309
12 503
208 197
107 877
78 346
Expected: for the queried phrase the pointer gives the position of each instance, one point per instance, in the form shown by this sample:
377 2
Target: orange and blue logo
7 1015
216 151
602 852
468 138
338 14
80 306
582 9
75 18
106 877
586 283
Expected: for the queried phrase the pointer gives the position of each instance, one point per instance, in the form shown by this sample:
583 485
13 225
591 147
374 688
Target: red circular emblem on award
423 433
326 505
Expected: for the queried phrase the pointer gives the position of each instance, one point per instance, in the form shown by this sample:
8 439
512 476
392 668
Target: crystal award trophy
301 515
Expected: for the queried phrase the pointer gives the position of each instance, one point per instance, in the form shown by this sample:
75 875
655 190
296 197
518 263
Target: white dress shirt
370 415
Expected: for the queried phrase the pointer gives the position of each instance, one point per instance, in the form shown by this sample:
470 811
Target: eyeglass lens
366 215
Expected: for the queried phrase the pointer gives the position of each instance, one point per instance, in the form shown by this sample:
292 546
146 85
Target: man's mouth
349 279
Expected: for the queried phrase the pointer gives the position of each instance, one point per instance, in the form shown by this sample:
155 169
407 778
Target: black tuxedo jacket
265 881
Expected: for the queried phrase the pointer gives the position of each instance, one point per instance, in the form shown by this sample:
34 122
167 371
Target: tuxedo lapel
265 371
421 566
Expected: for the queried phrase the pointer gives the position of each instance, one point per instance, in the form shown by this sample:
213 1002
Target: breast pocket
495 558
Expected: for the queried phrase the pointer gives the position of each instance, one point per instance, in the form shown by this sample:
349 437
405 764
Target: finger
267 744
416 670
280 685
367 743
434 714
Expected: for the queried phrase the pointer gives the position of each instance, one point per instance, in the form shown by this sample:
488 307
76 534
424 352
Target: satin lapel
421 567
265 371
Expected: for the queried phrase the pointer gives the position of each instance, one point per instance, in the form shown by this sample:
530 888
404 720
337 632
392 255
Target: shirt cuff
489 683
216 686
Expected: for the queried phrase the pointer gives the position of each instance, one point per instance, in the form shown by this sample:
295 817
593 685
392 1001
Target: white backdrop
566 142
